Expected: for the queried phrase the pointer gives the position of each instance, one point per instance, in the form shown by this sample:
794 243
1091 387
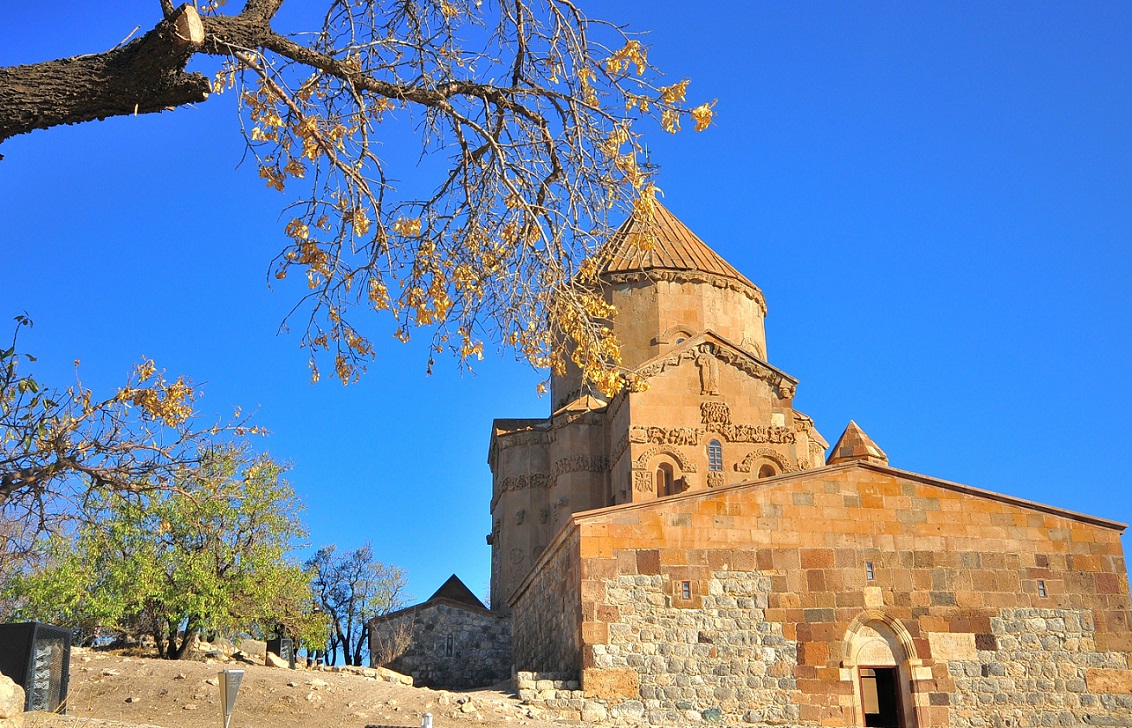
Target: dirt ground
109 691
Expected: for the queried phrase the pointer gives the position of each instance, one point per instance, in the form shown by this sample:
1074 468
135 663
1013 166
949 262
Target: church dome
666 285
664 243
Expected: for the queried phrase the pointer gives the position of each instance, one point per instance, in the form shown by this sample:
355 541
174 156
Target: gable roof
789 478
673 247
574 521
722 349
452 593
455 590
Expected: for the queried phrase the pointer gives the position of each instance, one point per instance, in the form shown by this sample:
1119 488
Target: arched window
665 480
767 471
715 456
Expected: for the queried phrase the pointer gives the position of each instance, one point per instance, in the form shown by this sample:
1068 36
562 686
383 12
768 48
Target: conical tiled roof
675 248
853 445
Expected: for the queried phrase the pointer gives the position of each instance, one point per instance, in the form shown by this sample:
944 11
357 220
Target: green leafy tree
61 446
352 589
209 555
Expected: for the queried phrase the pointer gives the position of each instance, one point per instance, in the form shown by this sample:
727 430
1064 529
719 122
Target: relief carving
692 276
714 479
709 372
620 447
562 505
642 481
642 462
543 515
667 435
581 463
669 361
758 433
748 463
526 480
517 556
520 516
715 415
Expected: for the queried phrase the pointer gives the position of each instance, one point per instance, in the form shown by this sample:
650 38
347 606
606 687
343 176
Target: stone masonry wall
444 646
742 605
1034 670
722 657
546 615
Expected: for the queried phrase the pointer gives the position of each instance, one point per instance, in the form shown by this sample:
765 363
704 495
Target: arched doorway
879 652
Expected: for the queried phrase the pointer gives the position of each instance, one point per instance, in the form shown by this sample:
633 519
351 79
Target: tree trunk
159 641
182 651
360 645
144 76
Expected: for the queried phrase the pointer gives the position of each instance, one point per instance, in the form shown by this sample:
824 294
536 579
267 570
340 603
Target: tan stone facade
715 412
768 601
688 553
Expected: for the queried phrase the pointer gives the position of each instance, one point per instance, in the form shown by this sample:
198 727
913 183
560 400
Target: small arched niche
767 470
879 654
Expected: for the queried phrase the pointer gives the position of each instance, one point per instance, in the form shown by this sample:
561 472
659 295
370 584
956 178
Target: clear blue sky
936 199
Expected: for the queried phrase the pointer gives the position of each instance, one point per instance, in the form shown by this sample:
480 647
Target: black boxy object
38 658
284 648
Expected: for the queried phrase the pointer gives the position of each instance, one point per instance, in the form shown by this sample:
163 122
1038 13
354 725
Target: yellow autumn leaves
168 402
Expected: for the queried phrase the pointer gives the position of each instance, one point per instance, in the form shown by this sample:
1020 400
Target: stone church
690 553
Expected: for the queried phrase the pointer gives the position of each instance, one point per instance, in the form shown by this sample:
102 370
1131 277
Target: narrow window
715 456
448 646
685 590
1041 588
869 573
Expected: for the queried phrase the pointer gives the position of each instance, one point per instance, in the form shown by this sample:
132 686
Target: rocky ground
112 691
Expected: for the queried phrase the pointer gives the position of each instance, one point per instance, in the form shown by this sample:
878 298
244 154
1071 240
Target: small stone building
451 640
689 552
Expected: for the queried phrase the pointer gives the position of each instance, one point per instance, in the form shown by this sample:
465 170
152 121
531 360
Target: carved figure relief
667 435
543 515
526 480
758 433
747 464
715 415
714 479
691 436
709 372
520 516
642 462
642 481
581 463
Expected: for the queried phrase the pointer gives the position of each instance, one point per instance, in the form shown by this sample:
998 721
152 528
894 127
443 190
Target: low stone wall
444 645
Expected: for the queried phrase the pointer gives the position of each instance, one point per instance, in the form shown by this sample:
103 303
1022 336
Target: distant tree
352 589
524 111
209 555
59 447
